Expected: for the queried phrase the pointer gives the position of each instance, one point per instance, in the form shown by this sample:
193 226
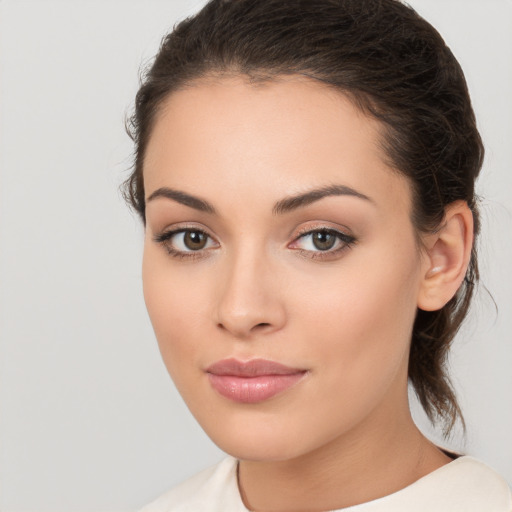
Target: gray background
89 420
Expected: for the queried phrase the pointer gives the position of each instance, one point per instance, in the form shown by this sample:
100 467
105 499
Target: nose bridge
249 301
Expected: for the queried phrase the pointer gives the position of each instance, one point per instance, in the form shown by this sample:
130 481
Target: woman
305 172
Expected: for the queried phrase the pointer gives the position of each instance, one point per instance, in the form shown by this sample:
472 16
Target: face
281 269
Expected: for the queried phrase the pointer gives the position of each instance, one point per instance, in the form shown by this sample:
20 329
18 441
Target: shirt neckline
388 499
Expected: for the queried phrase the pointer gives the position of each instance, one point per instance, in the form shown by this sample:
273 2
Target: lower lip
251 390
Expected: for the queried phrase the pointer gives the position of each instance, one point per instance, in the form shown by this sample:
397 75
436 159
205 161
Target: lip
252 381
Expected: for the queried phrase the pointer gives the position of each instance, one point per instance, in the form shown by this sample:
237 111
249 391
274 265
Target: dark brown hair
395 67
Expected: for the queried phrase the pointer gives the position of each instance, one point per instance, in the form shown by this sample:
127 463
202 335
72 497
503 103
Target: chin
259 448
259 436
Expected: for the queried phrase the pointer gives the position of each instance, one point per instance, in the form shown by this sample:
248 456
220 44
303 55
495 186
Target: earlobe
447 256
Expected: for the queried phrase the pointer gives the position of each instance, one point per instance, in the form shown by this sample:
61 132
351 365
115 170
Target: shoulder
479 484
464 484
213 489
469 470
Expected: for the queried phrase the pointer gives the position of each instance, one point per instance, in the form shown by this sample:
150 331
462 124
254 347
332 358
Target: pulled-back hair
395 67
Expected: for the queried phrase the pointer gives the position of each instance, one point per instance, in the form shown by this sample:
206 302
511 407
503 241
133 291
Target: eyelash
166 236
347 242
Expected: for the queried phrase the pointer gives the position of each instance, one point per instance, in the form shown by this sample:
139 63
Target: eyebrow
292 203
183 198
285 205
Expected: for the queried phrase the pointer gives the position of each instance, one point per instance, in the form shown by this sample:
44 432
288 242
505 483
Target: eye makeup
318 243
329 243
186 242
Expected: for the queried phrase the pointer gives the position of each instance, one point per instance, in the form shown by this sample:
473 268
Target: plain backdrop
89 420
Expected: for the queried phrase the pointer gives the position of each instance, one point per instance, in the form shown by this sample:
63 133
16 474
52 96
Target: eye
325 240
185 242
320 240
190 240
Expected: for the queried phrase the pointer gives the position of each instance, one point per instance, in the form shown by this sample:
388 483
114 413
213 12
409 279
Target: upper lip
252 368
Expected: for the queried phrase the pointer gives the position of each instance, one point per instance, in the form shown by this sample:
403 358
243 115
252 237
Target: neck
362 465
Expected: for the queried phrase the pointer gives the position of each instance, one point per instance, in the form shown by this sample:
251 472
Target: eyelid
347 241
179 228
343 231
165 235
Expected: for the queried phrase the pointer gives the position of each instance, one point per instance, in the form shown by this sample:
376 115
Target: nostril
263 324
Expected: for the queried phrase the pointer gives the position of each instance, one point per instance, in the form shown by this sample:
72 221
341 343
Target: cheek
359 319
175 308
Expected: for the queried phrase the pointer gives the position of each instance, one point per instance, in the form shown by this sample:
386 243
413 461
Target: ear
447 256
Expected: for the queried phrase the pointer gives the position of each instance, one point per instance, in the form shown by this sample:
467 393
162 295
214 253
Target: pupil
195 240
323 240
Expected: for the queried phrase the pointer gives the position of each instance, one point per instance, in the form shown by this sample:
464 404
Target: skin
343 435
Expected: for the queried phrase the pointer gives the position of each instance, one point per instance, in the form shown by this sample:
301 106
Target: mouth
253 381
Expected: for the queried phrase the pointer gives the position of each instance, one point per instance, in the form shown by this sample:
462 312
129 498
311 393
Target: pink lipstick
252 381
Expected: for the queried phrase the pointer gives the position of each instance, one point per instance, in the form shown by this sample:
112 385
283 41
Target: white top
464 485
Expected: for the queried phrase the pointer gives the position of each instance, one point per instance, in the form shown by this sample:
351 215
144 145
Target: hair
395 67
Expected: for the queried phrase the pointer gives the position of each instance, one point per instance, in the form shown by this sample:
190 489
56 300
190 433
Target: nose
249 300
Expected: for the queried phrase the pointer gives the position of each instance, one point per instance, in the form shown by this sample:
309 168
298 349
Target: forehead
229 136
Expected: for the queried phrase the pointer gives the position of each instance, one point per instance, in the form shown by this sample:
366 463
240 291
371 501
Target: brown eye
186 242
323 240
195 240
323 243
